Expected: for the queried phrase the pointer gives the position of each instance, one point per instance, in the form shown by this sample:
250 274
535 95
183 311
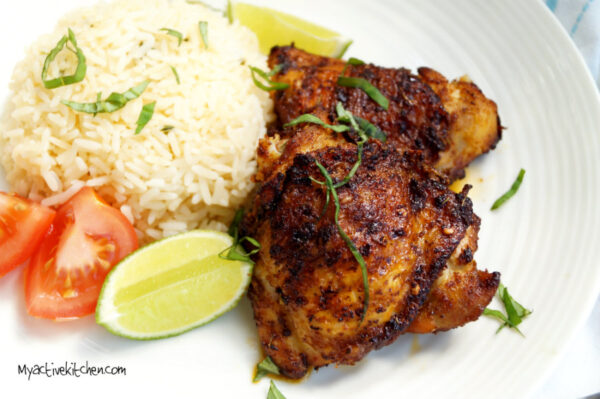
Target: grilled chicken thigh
451 123
307 289
416 236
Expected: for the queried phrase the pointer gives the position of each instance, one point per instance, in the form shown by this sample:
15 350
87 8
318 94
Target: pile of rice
193 176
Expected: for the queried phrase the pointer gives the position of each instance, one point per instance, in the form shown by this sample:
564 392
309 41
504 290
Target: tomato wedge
23 224
88 237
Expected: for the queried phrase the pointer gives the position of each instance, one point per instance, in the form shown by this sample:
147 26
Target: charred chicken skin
451 123
417 237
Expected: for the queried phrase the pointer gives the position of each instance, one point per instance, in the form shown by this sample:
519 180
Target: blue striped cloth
581 19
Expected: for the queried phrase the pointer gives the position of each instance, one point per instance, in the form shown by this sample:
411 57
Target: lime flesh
172 286
275 28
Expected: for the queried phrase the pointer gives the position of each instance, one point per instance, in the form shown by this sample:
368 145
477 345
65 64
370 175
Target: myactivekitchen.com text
71 369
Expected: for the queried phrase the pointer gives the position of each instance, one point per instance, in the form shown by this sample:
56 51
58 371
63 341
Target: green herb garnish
331 188
355 61
174 33
266 76
265 367
176 74
368 88
166 128
229 12
235 224
370 129
515 312
145 116
114 102
364 125
512 191
364 129
352 61
79 74
236 250
346 116
203 25
274 393
309 118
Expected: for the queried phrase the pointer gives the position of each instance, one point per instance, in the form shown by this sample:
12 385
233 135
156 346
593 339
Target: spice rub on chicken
451 123
307 290
416 237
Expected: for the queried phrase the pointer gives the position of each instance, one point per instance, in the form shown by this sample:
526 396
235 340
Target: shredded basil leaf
368 88
515 312
79 74
113 102
145 116
352 61
364 129
364 125
496 314
176 74
234 226
265 367
274 393
236 250
166 128
347 117
355 61
370 129
203 25
512 191
363 266
309 118
174 33
229 12
270 85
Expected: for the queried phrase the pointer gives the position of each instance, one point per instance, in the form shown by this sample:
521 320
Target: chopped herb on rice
163 181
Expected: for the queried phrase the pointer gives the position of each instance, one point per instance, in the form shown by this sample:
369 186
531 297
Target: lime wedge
172 286
275 28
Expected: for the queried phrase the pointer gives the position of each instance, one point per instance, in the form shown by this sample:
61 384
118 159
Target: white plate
543 241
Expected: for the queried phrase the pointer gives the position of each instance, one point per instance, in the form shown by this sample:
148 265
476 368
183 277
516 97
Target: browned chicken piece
460 293
307 289
473 126
416 236
452 123
414 120
474 123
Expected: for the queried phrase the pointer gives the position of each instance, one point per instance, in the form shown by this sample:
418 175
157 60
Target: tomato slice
23 224
87 238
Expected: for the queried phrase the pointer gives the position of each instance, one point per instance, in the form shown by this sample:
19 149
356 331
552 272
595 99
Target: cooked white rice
193 176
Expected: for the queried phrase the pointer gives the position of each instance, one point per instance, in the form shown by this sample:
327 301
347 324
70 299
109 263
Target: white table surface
577 374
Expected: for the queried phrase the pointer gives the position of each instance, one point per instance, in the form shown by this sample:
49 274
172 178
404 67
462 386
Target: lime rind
343 47
305 34
108 316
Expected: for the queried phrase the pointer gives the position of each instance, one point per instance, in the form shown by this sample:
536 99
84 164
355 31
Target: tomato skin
65 275
23 224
